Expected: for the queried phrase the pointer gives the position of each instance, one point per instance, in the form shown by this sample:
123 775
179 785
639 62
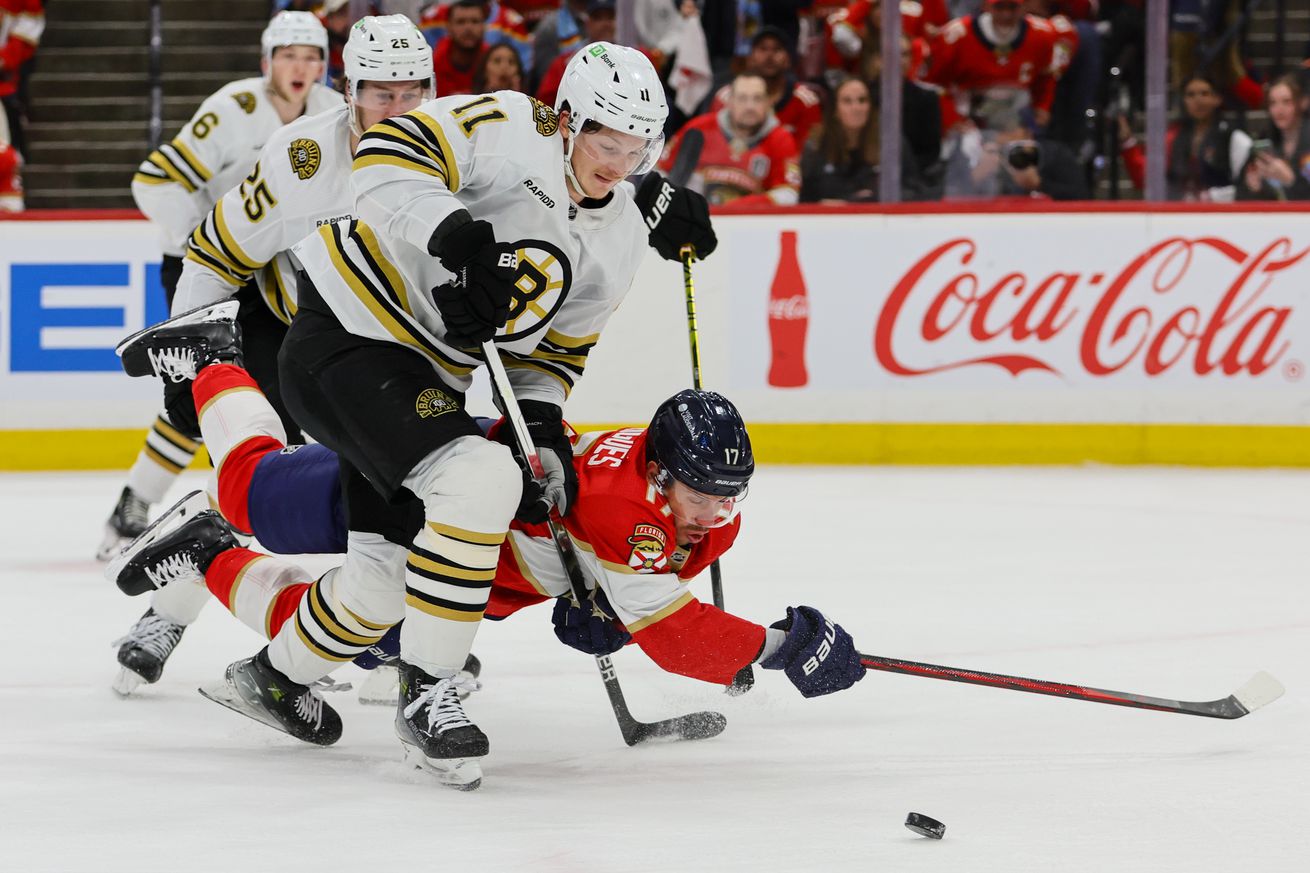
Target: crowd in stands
999 98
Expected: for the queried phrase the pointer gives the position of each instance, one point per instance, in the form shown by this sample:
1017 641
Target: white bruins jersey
182 179
500 157
300 182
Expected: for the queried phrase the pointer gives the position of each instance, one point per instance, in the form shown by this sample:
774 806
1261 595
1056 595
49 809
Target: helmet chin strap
568 163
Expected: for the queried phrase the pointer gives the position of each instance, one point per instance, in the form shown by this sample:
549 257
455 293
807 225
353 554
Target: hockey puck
925 826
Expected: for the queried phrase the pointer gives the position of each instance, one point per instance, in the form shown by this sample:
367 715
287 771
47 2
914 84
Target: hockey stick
1260 690
693 726
688 157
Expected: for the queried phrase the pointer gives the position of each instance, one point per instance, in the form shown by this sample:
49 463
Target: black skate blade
223 310
693 726
173 517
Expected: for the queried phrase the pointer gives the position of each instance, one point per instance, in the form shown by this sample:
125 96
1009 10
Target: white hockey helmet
385 48
294 28
617 87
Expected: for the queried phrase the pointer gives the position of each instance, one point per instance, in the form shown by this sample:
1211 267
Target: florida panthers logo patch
305 157
648 543
433 402
246 101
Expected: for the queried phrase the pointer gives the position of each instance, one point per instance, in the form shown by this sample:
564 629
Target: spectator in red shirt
797 106
748 157
597 26
499 69
504 27
456 55
21 25
11 184
1000 49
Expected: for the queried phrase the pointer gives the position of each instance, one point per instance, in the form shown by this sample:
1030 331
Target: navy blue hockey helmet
700 439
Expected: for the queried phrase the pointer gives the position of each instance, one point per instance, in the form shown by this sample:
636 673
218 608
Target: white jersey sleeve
408 169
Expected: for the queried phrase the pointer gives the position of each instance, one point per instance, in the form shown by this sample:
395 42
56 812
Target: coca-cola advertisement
1026 317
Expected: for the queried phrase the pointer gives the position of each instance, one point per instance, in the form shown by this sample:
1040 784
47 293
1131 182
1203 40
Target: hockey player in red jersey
1000 48
655 506
747 157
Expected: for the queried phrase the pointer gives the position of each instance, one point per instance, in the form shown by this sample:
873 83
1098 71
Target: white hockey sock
322 635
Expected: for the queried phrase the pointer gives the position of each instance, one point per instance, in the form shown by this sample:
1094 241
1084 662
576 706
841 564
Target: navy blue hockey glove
180 406
579 628
476 304
817 655
545 423
384 651
676 217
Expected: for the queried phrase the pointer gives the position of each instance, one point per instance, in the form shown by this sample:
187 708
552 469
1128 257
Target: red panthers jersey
854 18
799 109
504 25
963 60
21 24
762 170
627 543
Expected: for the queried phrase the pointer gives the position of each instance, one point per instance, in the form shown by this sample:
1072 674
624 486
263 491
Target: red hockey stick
1259 690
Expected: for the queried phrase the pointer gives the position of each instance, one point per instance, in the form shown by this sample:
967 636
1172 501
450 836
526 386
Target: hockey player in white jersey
301 181
182 179
479 218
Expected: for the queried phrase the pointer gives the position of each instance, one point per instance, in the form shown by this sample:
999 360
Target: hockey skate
255 689
381 687
176 349
144 650
436 734
177 548
129 519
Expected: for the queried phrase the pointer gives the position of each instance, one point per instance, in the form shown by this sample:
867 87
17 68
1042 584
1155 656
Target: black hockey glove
580 628
476 304
817 655
545 424
676 217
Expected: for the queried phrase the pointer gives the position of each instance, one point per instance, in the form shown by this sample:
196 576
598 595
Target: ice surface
1167 582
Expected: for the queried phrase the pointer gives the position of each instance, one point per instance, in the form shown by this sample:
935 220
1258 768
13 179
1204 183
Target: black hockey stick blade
692 726
688 157
1260 690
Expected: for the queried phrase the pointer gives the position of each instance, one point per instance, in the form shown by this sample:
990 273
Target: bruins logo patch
648 543
545 117
246 101
305 157
541 285
433 402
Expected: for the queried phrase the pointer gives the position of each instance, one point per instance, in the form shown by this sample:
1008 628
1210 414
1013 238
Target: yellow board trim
950 444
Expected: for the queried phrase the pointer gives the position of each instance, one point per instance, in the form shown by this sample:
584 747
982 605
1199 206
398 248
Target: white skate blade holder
173 517
224 694
223 310
126 682
462 774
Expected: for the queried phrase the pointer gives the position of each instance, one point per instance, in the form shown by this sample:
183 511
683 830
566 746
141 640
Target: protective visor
621 154
693 507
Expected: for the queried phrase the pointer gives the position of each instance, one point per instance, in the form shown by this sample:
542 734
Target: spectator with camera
841 162
1205 153
1006 161
1279 167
